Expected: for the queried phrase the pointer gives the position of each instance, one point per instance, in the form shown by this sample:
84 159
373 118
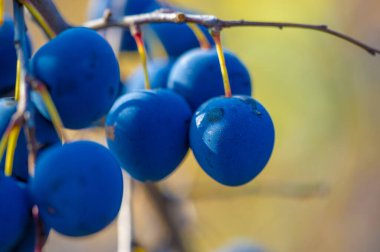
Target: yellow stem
3 144
12 144
222 62
54 115
18 80
39 18
2 9
142 52
199 34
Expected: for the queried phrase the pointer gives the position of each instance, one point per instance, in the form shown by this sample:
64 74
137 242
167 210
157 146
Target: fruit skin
158 70
78 187
147 130
197 77
45 136
8 59
81 73
27 241
232 139
15 212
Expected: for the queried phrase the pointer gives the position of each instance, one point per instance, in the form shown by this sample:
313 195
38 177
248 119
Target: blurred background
320 190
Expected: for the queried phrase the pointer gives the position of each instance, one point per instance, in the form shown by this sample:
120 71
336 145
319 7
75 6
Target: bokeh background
320 190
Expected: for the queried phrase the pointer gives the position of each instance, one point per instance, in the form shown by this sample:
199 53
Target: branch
212 22
45 12
46 15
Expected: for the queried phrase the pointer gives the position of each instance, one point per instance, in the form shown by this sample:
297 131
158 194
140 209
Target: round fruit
196 76
28 239
81 73
148 132
15 212
158 70
78 187
232 139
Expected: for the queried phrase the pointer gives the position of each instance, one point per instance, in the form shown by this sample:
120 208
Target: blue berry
197 77
27 241
148 132
15 212
232 139
81 73
78 187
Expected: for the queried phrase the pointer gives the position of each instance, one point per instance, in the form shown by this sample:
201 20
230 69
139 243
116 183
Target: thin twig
165 16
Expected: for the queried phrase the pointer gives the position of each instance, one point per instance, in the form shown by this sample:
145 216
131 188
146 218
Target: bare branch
212 22
50 15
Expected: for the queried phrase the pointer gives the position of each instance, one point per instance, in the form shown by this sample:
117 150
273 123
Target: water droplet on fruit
199 119
215 114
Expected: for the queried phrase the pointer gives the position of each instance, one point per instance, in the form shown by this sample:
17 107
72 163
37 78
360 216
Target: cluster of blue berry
77 186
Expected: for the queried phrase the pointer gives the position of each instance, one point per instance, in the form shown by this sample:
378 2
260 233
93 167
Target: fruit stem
3 144
12 143
199 34
39 18
219 48
16 120
137 35
18 80
52 110
2 9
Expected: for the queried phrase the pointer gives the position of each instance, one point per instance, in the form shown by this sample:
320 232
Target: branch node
216 29
135 29
107 15
180 18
